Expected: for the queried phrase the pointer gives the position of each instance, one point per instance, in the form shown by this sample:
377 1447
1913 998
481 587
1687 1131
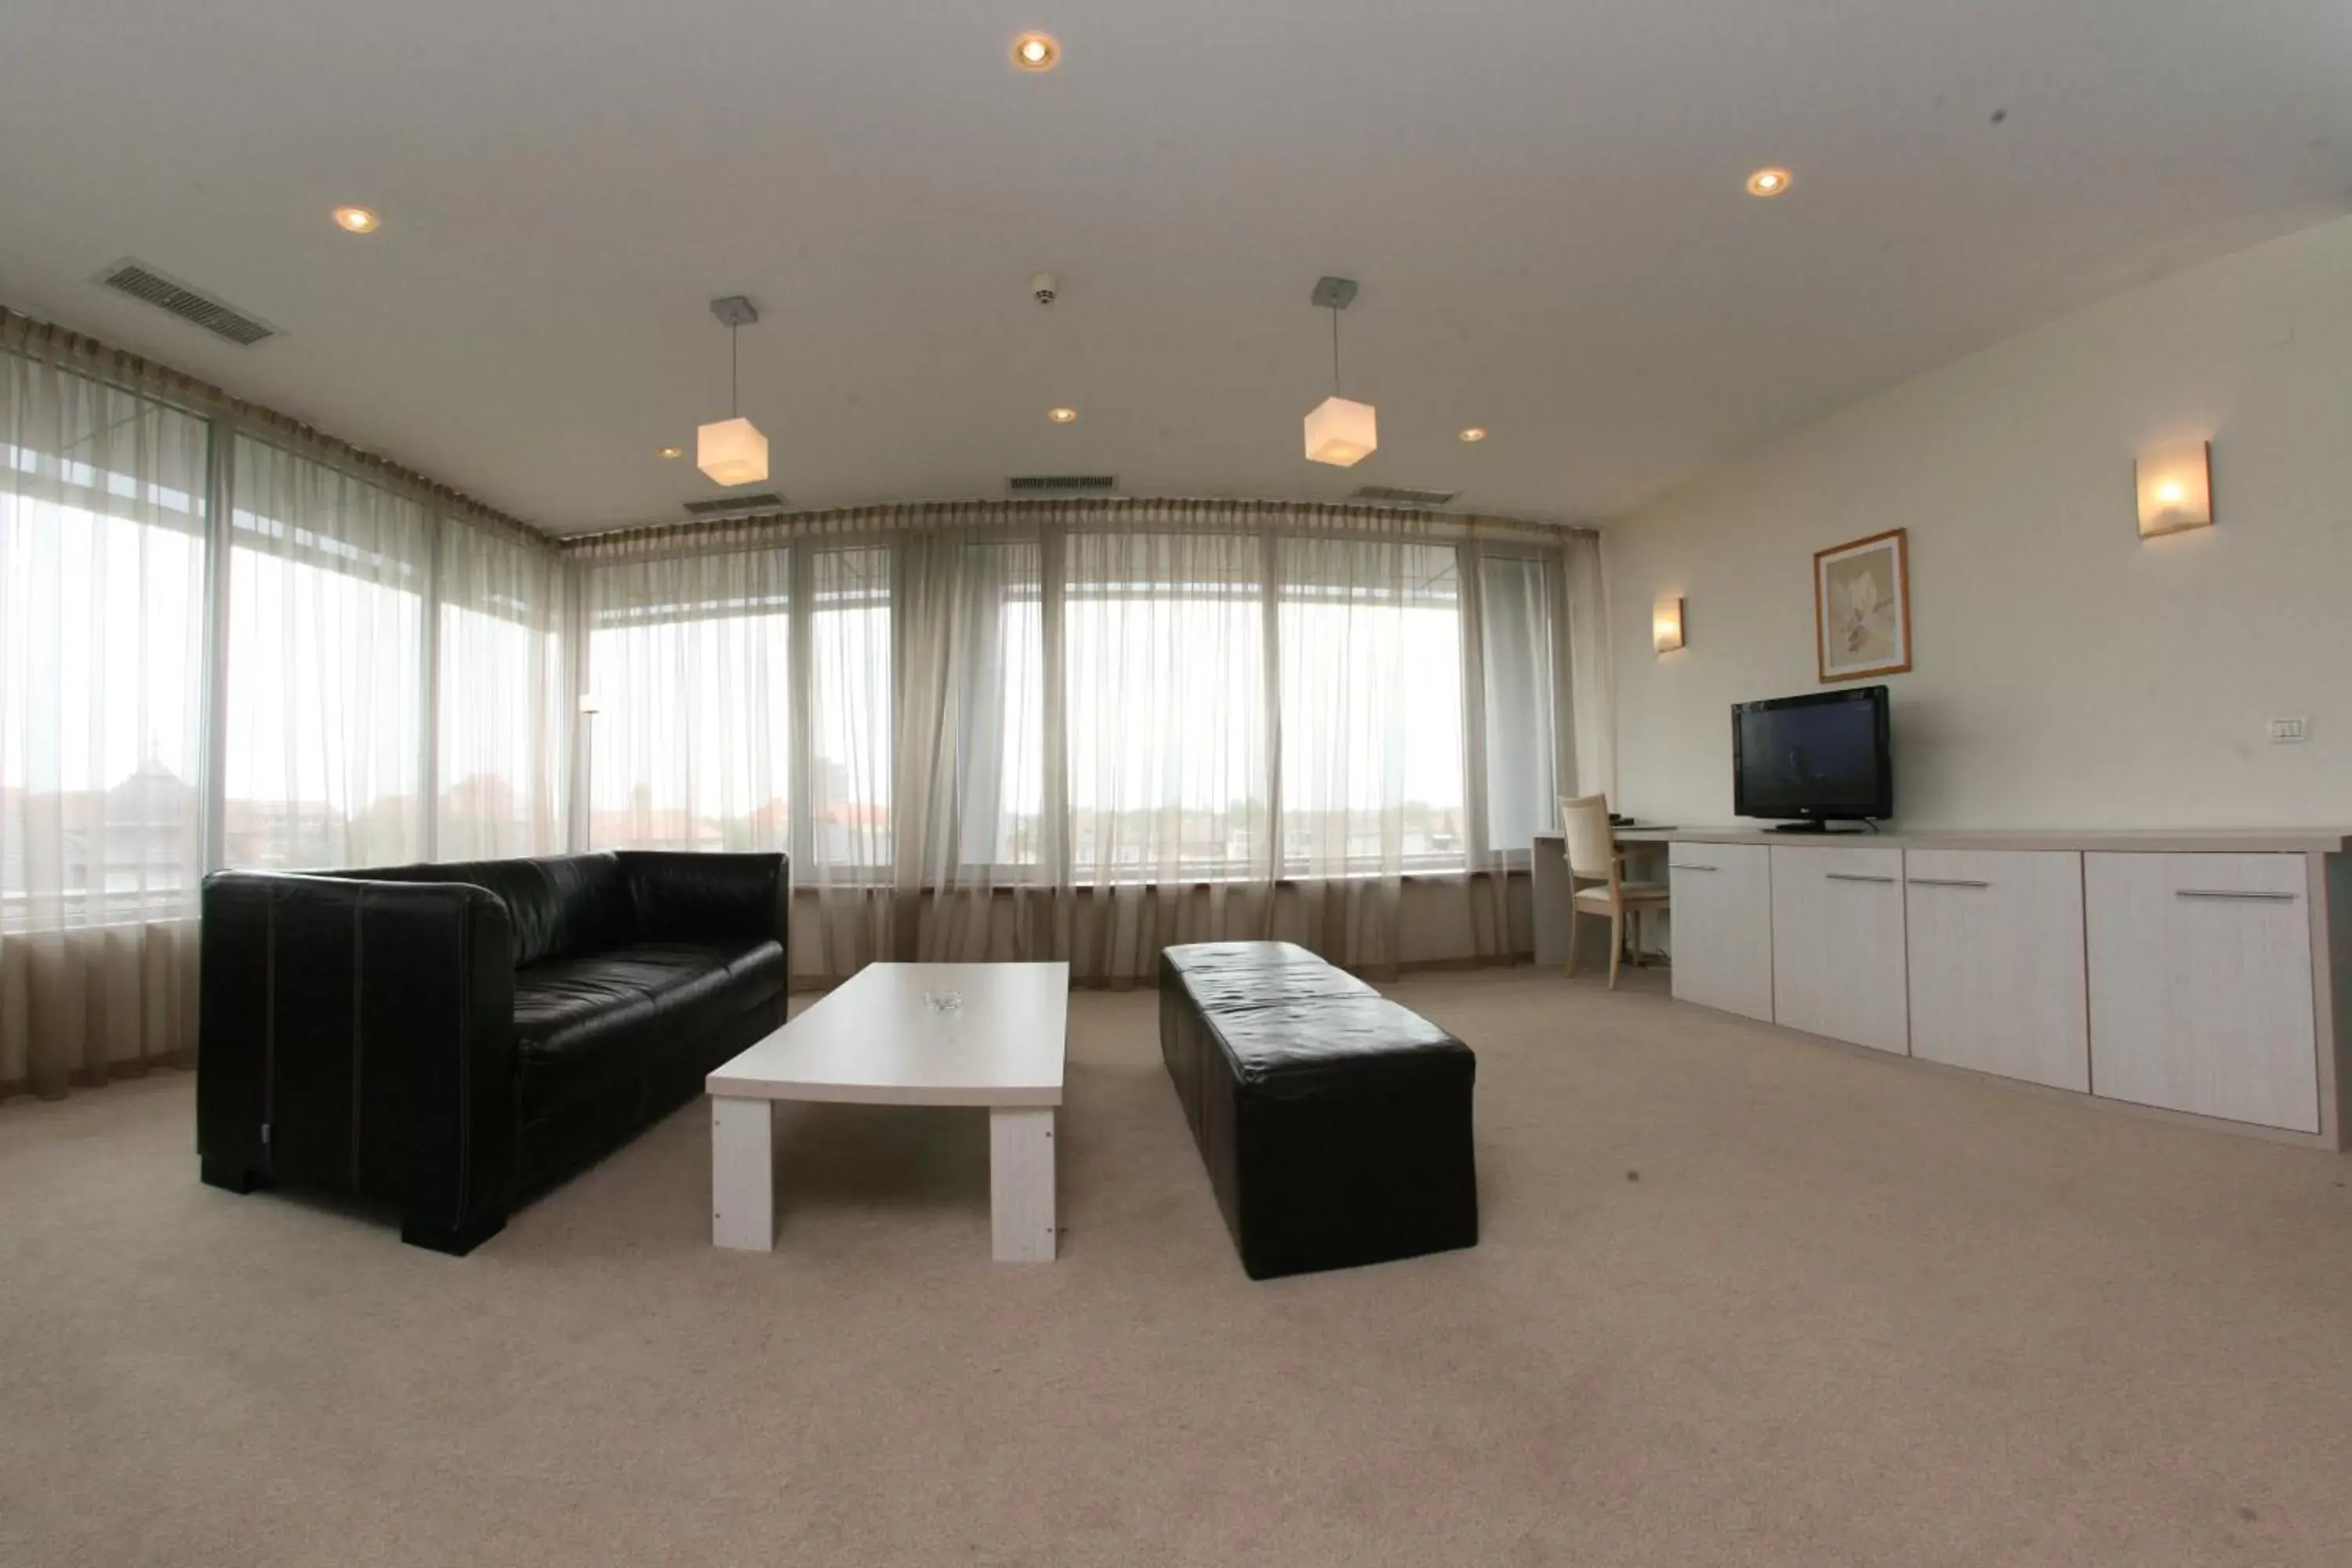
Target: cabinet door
1837 944
1723 926
1996 960
2201 984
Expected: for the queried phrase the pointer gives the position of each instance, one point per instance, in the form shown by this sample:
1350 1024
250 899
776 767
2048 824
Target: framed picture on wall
1862 606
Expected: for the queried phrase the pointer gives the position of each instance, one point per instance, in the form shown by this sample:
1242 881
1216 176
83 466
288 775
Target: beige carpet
1850 1312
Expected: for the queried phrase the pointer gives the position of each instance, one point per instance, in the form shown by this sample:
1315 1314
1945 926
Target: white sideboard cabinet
1723 926
2200 977
2196 973
1837 944
1996 964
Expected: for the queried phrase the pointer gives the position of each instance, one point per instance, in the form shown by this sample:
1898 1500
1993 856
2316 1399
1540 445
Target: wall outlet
2288 732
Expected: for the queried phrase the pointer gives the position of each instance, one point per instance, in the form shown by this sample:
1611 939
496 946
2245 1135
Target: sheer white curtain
503 741
325 762
102 582
1373 771
1163 644
849 832
1521 731
687 715
1582 667
972 876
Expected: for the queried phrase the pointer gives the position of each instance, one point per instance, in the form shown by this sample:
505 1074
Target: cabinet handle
1678 865
1855 877
1946 882
2233 896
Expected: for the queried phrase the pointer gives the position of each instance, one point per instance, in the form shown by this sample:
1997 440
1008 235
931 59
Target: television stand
1812 826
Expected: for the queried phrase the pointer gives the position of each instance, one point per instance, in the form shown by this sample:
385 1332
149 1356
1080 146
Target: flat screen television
1813 760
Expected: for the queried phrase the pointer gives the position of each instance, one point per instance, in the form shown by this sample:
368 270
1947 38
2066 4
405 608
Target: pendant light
732 451
1339 432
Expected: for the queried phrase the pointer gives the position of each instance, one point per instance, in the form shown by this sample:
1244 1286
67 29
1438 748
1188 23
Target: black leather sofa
451 1039
1334 1122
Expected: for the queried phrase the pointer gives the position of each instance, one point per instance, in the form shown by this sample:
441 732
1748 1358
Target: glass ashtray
943 1001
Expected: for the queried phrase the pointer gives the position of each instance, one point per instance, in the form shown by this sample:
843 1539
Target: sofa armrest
359 1036
683 896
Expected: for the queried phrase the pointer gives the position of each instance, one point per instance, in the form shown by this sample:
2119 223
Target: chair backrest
1591 845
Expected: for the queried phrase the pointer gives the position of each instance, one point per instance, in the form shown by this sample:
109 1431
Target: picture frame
1862 607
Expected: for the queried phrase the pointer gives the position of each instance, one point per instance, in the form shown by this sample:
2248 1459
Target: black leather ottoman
1334 1123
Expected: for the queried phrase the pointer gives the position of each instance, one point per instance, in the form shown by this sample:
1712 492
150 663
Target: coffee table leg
1021 1183
742 1173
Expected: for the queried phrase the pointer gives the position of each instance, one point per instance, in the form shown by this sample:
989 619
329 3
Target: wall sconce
1666 624
2176 488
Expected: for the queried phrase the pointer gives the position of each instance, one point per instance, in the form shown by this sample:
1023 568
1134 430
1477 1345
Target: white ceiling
1543 200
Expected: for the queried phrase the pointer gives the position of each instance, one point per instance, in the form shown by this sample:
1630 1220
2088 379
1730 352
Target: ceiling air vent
1031 484
732 506
141 281
1397 495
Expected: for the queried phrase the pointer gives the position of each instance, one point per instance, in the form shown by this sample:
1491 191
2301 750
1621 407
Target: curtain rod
918 516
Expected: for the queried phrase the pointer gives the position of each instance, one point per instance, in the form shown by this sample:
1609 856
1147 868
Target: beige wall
2067 674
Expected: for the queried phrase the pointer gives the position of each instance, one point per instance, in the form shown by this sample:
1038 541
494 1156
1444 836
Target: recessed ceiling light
1036 51
673 451
359 220
1767 181
1475 433
1061 415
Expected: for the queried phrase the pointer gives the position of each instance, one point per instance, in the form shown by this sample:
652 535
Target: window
326 667
1371 707
102 651
1163 645
689 736
850 709
1000 732
500 738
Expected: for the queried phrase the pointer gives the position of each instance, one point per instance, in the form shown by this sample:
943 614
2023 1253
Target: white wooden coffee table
878 1040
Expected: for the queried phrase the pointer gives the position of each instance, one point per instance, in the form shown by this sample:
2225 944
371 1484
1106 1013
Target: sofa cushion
583 1024
560 906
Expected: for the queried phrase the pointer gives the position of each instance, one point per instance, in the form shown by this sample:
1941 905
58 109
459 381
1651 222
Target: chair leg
1616 942
1571 939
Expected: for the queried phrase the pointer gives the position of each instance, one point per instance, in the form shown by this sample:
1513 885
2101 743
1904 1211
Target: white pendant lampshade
732 452
1342 433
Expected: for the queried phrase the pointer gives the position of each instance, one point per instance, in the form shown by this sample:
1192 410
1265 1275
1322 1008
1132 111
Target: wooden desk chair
1593 857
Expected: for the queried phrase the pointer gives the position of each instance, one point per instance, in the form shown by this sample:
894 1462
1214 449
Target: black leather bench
1334 1123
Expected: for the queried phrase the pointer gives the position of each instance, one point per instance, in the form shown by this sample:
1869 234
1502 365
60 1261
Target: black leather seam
268 1032
465 1078
359 990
